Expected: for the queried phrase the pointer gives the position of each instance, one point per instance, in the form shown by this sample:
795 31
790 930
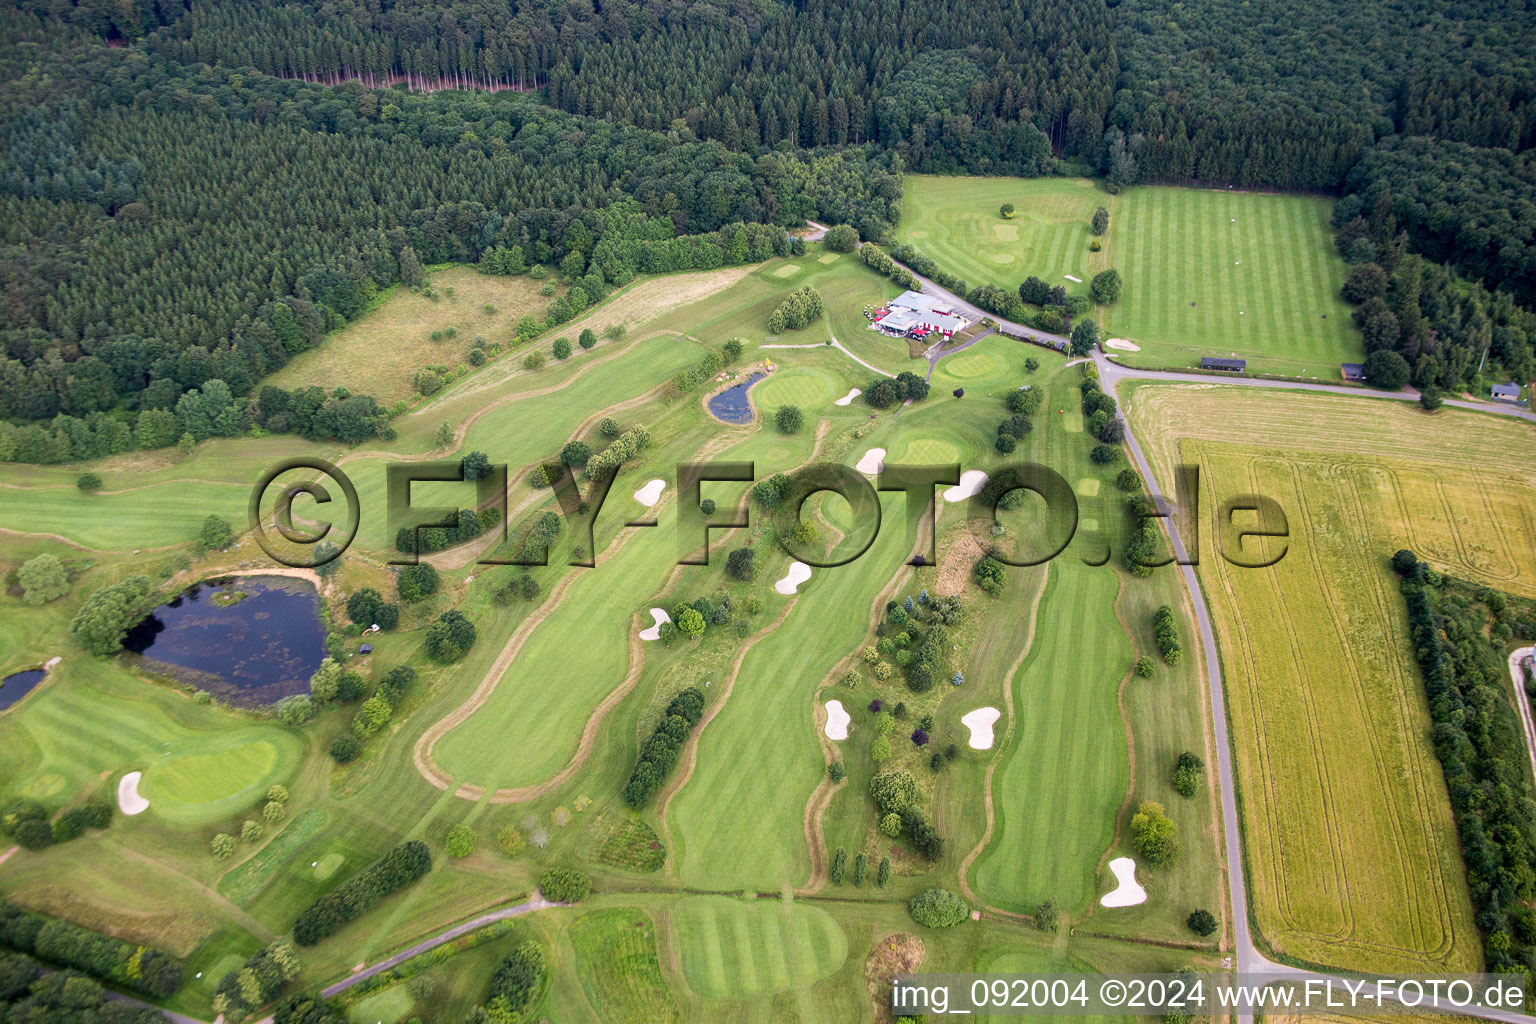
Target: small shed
1505 392
1221 363
1353 371
365 649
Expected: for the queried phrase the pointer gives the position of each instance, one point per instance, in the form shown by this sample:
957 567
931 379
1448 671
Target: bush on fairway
741 564
1047 914
938 908
1106 287
799 310
659 753
893 790
461 841
416 582
102 621
565 885
403 864
42 580
450 637
1153 834
366 607
1186 773
1202 922
516 981
1167 632
789 419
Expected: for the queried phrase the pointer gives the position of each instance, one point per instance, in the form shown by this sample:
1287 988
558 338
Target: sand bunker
849 397
650 494
971 483
837 721
1069 277
1122 344
128 799
872 462
657 618
798 573
980 723
1128 893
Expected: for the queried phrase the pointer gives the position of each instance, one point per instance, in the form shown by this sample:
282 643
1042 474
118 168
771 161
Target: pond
18 684
247 640
731 405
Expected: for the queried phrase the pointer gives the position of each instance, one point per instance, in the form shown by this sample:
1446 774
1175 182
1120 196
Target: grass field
748 949
389 344
956 222
1353 855
616 960
1230 274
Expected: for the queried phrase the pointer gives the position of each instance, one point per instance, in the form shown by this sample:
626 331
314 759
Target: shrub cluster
403 864
1167 630
375 712
803 306
257 981
626 446
990 574
367 607
659 753
884 392
880 261
26 821
1144 549
938 908
450 637
467 525
141 968
27 993
925 266
516 982
685 381
565 885
1187 771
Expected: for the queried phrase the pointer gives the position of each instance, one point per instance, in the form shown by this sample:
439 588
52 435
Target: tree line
145 969
403 864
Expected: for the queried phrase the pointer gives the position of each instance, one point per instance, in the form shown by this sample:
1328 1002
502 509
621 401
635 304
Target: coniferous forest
193 192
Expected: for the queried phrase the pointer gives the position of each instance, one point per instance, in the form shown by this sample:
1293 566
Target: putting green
1003 257
383 1007
1006 232
1088 526
800 386
210 778
929 451
737 949
827 257
787 270
326 866
1088 487
970 364
48 784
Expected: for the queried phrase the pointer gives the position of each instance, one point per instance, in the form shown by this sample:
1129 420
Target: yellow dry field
1352 852
380 353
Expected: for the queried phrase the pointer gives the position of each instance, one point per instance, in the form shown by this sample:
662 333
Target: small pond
731 405
247 639
18 684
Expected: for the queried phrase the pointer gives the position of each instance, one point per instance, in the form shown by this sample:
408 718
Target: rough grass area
381 351
616 962
1353 856
1225 273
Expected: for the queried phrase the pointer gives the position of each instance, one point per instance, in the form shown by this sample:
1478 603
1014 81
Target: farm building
1353 371
1505 392
914 315
1221 363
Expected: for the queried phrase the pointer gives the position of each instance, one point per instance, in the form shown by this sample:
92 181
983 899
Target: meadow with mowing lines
955 221
1353 857
1226 273
744 949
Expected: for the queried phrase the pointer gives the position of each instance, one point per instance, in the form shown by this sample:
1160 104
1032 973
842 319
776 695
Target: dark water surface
254 650
18 684
731 405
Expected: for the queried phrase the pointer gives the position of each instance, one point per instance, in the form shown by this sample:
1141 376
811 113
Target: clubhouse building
918 316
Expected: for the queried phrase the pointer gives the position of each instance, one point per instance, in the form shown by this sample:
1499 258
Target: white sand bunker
1069 277
1128 893
128 799
657 618
872 462
849 397
1122 344
798 573
837 721
650 494
971 483
980 723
